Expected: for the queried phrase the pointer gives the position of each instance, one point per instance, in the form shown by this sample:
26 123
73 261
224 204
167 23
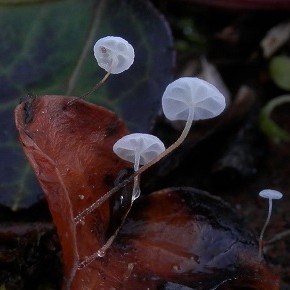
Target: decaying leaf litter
249 181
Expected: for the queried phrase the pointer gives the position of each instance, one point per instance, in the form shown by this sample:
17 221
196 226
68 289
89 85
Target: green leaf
279 68
268 126
47 48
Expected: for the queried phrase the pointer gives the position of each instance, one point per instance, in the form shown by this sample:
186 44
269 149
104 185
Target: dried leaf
275 38
179 235
70 149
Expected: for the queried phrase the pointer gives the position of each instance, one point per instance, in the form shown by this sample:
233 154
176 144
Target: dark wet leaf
193 239
47 49
75 164
177 235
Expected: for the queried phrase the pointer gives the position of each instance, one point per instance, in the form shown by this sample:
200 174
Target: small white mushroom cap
189 93
144 145
114 54
270 194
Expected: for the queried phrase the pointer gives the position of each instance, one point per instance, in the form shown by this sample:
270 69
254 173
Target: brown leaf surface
69 151
182 236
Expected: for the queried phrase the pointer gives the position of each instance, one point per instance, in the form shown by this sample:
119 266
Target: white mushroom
139 149
188 99
114 54
184 99
270 194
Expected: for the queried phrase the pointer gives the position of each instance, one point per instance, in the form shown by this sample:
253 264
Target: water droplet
81 196
101 253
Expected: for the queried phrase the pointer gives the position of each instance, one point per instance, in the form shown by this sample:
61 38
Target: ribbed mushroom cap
146 145
114 54
188 93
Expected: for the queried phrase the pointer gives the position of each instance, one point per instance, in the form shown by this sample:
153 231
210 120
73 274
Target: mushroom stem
264 228
97 85
136 186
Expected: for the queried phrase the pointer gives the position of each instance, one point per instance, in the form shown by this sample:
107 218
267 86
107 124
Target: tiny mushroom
139 149
114 54
189 99
270 194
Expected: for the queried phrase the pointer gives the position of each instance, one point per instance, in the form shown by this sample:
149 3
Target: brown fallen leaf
175 236
70 151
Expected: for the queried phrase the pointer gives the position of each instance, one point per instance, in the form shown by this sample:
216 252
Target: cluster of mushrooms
186 99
